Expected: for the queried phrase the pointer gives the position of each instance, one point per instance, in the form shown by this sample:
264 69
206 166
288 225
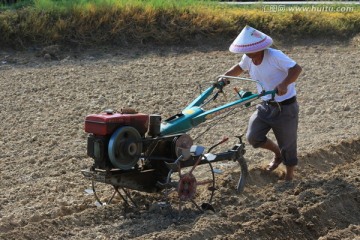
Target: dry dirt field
45 96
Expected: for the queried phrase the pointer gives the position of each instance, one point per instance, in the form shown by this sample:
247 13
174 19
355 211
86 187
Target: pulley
125 147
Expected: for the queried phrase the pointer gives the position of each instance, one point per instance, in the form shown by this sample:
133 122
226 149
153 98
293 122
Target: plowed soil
45 96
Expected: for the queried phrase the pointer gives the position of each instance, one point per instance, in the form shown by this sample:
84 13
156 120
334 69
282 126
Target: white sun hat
250 40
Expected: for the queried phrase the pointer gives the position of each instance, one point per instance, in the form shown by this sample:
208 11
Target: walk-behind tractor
141 152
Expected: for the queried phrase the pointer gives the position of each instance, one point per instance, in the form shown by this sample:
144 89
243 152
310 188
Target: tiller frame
148 172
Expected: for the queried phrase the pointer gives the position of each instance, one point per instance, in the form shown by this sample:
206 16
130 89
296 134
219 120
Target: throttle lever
217 144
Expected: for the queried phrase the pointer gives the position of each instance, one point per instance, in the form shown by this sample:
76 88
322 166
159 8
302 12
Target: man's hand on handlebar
221 82
281 89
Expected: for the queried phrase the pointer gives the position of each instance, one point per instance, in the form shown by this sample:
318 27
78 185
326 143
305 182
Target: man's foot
289 176
274 164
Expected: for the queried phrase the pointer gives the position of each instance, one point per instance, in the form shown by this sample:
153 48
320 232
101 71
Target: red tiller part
105 124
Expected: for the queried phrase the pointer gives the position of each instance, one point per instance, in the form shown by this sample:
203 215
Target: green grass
121 22
69 4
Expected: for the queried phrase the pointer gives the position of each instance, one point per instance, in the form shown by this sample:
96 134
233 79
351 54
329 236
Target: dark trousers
283 121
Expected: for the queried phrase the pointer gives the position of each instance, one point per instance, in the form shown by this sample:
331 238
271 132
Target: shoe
274 164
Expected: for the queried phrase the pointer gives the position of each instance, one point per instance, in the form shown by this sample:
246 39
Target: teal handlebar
193 114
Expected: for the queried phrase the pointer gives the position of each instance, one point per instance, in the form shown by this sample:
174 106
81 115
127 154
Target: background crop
122 22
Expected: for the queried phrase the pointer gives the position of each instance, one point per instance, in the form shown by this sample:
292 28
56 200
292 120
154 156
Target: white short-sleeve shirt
271 72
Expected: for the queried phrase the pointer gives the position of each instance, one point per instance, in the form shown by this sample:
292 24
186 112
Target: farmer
274 70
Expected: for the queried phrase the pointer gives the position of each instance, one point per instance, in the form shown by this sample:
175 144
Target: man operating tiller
274 70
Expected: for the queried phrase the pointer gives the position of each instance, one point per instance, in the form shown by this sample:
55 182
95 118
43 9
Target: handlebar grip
274 92
226 81
222 82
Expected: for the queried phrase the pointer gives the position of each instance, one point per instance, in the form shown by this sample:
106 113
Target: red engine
115 139
120 140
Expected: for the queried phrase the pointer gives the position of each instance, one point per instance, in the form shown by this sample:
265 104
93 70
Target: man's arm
293 74
234 71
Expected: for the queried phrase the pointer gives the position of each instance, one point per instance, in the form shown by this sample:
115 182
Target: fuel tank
106 123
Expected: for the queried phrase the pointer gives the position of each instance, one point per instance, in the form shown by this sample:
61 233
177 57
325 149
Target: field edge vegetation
121 23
